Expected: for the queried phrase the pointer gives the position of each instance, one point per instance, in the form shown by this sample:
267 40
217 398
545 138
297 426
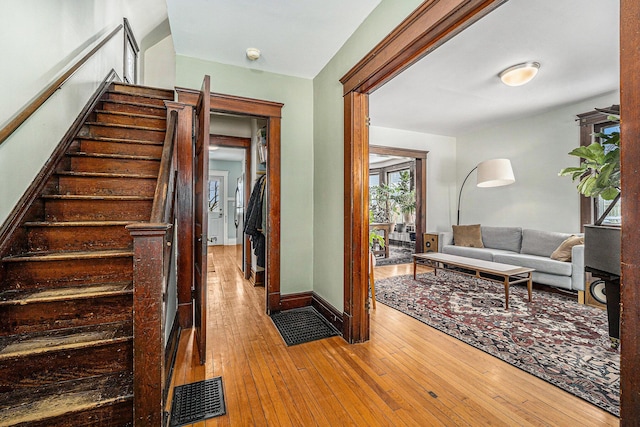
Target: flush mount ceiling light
519 74
253 54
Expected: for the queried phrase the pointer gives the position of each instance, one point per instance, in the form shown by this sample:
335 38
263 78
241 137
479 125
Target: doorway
218 216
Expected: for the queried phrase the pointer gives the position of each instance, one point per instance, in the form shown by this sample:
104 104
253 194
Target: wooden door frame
430 25
421 184
272 113
245 144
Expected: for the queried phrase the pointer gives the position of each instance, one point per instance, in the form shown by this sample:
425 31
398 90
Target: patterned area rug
554 338
397 255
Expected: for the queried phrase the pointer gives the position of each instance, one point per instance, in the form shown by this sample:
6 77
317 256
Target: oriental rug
553 337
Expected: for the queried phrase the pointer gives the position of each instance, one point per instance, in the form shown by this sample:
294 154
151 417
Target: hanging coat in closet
254 224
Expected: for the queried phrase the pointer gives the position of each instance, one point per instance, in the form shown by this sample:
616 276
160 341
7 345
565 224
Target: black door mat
301 325
197 401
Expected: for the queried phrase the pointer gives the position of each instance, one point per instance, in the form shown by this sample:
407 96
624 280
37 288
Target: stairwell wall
41 40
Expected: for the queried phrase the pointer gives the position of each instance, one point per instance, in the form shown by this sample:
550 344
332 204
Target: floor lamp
491 173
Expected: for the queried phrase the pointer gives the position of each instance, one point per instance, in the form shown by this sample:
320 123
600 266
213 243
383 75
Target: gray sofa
524 248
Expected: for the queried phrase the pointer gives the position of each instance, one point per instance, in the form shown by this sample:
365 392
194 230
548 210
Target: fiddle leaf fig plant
599 172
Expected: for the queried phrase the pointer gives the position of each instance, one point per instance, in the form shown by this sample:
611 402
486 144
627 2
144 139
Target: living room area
454 106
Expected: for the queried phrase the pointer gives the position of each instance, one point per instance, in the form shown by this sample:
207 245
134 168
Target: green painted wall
328 140
296 93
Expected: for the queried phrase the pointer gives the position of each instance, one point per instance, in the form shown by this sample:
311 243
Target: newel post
148 322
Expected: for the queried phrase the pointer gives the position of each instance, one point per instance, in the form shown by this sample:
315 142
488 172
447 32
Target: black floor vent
197 401
302 325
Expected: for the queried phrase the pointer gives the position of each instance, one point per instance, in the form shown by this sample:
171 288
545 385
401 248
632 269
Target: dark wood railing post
148 322
184 209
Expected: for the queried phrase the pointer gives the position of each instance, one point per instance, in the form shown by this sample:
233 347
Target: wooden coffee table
488 270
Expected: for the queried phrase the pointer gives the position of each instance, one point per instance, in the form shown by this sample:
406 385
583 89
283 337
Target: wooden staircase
66 347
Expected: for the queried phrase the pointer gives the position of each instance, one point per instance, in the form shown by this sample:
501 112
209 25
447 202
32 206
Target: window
601 205
130 74
592 123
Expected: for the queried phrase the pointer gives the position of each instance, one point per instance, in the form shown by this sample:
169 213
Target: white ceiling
452 91
296 37
456 89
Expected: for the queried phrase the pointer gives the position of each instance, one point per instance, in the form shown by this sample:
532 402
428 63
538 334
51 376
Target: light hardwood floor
407 374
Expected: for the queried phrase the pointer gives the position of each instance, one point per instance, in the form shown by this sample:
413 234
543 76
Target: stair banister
33 106
153 253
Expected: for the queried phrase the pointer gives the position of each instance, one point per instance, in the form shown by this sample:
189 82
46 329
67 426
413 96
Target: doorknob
199 238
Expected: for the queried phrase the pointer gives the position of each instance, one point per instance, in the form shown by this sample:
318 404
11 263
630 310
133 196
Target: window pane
614 217
374 180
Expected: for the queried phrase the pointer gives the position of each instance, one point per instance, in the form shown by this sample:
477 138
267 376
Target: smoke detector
253 53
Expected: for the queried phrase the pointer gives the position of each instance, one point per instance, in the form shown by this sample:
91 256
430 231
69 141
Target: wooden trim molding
630 248
272 112
297 300
328 311
429 26
170 353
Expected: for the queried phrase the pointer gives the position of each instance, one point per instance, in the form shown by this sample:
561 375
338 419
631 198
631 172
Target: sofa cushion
563 252
485 254
540 263
467 235
507 238
541 243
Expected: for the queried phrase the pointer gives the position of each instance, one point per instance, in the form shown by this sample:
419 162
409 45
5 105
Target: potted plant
382 206
405 197
599 170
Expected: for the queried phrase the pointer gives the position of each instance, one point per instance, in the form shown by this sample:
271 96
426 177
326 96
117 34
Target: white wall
40 40
160 65
441 169
328 147
537 147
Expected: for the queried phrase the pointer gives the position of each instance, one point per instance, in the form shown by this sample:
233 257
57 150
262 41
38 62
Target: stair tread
112 156
30 296
58 399
69 255
90 197
77 223
107 175
119 113
13 346
117 125
119 140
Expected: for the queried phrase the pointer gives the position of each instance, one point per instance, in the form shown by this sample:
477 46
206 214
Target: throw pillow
563 253
467 235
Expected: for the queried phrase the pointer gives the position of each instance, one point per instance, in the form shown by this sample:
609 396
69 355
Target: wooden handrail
33 106
164 175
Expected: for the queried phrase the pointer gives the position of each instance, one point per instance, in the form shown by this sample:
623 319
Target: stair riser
51 367
119 414
97 210
97 164
78 238
125 133
103 147
40 317
140 90
135 109
98 186
51 274
156 123
137 99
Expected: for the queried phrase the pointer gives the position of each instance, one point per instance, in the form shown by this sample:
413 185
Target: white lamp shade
495 173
